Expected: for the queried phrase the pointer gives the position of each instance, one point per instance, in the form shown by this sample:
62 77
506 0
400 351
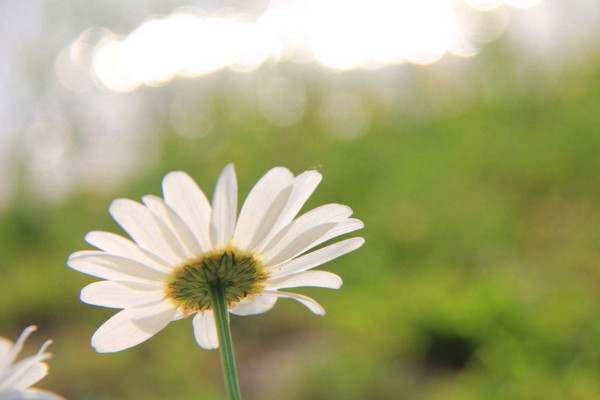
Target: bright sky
77 130
337 34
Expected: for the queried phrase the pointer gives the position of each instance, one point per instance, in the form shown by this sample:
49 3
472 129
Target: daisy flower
16 378
183 248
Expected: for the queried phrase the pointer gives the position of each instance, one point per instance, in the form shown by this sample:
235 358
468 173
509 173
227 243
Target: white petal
205 330
329 213
313 238
28 371
341 228
169 237
178 314
121 294
266 227
15 349
322 279
297 245
316 258
120 246
25 373
108 266
5 346
222 223
176 226
304 185
262 207
189 202
28 394
141 225
132 326
256 305
311 304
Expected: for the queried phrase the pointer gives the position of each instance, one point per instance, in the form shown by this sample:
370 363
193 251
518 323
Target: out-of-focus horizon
59 140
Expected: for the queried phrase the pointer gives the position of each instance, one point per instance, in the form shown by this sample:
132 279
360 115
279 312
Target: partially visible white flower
16 378
182 247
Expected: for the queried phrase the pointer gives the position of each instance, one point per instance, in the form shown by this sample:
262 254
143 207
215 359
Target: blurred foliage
479 279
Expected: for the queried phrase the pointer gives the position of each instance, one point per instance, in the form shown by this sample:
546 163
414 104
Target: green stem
219 303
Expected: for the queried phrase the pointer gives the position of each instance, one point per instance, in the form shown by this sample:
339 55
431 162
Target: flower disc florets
239 274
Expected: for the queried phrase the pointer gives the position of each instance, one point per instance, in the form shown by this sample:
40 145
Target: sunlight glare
337 34
522 3
109 66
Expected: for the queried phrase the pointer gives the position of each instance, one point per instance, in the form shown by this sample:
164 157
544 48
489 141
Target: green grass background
479 279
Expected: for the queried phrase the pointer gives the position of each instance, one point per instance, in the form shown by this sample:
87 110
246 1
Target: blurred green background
480 189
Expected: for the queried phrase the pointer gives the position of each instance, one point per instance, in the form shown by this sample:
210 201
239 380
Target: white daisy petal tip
132 326
308 302
27 331
320 311
360 240
116 204
205 330
339 282
175 175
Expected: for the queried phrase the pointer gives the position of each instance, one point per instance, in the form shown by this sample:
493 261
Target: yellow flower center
239 274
